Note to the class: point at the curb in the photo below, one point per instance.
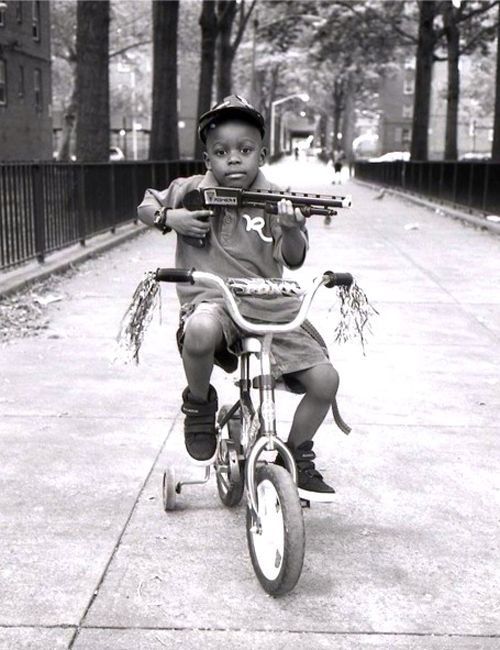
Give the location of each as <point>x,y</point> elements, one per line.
<point>447,211</point>
<point>12,281</point>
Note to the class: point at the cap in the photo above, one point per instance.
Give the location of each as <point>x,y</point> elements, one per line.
<point>232,106</point>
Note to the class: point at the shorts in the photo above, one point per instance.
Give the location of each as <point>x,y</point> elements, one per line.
<point>290,352</point>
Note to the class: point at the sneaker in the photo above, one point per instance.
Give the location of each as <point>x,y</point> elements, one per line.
<point>199,426</point>
<point>310,483</point>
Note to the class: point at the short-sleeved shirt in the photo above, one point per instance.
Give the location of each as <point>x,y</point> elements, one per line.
<point>242,243</point>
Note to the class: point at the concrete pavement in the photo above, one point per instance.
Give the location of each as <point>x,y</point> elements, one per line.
<point>407,556</point>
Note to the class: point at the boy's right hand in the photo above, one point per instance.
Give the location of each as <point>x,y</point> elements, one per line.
<point>189,223</point>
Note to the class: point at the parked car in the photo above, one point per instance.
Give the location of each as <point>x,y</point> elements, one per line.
<point>475,155</point>
<point>390,156</point>
<point>115,153</point>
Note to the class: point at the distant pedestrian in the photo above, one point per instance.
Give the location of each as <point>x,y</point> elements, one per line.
<point>296,153</point>
<point>338,160</point>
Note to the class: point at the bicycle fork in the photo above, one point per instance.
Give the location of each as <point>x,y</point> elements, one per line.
<point>268,439</point>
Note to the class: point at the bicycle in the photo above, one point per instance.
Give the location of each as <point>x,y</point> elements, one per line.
<point>274,520</point>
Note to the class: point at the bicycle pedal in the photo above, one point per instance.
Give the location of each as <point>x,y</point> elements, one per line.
<point>305,503</point>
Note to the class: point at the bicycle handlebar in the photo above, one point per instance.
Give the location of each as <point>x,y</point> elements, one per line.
<point>174,275</point>
<point>329,279</point>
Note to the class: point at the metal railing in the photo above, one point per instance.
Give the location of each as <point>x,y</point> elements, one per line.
<point>469,184</point>
<point>50,205</point>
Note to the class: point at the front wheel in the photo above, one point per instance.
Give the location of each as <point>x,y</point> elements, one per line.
<point>276,546</point>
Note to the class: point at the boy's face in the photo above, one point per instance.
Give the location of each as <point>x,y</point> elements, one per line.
<point>234,153</point>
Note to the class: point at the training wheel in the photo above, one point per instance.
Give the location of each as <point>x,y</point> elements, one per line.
<point>169,491</point>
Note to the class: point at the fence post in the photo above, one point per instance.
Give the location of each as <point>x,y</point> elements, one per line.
<point>471,179</point>
<point>82,230</point>
<point>135,184</point>
<point>486,179</point>
<point>113,196</point>
<point>39,212</point>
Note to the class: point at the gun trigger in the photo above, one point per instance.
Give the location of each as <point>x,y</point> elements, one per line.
<point>271,208</point>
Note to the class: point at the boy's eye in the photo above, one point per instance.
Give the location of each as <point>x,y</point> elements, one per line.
<point>219,152</point>
<point>246,149</point>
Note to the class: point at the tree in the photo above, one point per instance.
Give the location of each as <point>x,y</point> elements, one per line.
<point>423,80</point>
<point>495,151</point>
<point>208,26</point>
<point>226,49</point>
<point>452,34</point>
<point>465,30</point>
<point>164,142</point>
<point>129,35</point>
<point>92,80</point>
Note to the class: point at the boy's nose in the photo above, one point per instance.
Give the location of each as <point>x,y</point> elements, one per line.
<point>234,157</point>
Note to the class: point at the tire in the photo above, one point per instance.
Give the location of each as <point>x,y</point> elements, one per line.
<point>230,470</point>
<point>277,552</point>
<point>169,490</point>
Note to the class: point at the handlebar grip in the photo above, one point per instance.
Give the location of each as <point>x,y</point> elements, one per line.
<point>174,275</point>
<point>337,279</point>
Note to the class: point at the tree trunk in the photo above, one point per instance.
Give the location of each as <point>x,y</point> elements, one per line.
<point>423,81</point>
<point>164,142</point>
<point>338,108</point>
<point>225,52</point>
<point>453,91</point>
<point>208,24</point>
<point>348,120</point>
<point>322,131</point>
<point>495,151</point>
<point>92,80</point>
<point>69,121</point>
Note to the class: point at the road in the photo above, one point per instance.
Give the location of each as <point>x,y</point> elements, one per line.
<point>406,557</point>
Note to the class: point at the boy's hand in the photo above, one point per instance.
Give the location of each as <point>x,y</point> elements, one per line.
<point>289,218</point>
<point>189,223</point>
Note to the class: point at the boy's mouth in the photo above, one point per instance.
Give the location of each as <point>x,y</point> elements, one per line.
<point>235,175</point>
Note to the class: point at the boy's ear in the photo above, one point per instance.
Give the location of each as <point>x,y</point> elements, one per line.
<point>262,156</point>
<point>206,160</point>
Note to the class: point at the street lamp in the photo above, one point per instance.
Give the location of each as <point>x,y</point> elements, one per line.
<point>303,96</point>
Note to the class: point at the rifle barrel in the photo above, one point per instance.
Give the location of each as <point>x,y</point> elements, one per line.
<point>297,198</point>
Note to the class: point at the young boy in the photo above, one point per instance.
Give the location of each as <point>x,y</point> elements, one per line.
<point>241,243</point>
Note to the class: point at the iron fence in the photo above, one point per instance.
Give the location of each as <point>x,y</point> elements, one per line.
<point>470,184</point>
<point>50,205</point>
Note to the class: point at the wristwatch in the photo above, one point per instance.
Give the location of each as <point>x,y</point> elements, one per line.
<point>160,220</point>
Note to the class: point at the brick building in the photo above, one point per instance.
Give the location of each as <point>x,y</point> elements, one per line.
<point>25,82</point>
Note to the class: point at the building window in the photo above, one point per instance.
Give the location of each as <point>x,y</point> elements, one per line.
<point>20,88</point>
<point>409,85</point>
<point>3,83</point>
<point>407,111</point>
<point>19,12</point>
<point>36,20</point>
<point>406,137</point>
<point>38,90</point>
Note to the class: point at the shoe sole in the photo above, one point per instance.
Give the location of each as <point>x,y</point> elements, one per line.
<point>317,497</point>
<point>202,463</point>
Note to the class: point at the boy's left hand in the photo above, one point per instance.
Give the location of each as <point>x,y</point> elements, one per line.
<point>288,217</point>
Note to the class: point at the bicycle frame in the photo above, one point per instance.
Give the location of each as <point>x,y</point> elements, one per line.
<point>258,426</point>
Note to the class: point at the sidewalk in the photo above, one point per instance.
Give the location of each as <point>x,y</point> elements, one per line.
<point>407,557</point>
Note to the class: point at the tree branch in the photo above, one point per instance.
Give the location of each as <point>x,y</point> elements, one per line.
<point>122,50</point>
<point>243,23</point>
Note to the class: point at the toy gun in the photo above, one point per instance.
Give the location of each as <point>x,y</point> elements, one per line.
<point>234,197</point>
